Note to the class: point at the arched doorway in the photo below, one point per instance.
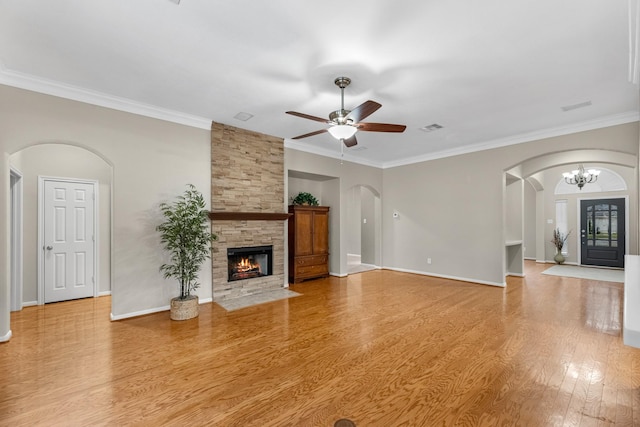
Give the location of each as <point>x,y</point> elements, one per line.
<point>544,174</point>
<point>66,160</point>
<point>364,229</point>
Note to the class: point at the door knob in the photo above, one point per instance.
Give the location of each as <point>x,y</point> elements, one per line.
<point>49,248</point>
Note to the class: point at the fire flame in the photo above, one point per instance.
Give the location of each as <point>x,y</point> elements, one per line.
<point>246,264</point>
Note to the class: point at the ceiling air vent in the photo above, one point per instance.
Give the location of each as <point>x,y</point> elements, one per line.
<point>431,128</point>
<point>243,116</point>
<point>576,106</point>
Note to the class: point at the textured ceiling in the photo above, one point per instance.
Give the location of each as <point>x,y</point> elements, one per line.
<point>491,73</point>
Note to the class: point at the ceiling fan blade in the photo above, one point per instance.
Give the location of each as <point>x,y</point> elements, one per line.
<point>363,111</point>
<point>318,132</point>
<point>350,142</point>
<point>380,127</point>
<point>307,116</point>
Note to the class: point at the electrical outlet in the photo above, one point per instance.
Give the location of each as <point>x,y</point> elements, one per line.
<point>428,260</point>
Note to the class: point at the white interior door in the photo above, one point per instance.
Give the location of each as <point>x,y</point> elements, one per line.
<point>68,240</point>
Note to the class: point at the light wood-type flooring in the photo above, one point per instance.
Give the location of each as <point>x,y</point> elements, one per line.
<point>381,348</point>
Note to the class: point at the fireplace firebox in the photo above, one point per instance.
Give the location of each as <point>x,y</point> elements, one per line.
<point>249,262</point>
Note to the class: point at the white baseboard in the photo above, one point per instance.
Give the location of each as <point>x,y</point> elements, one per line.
<point>515,274</point>
<point>29,304</point>
<point>104,293</point>
<point>153,310</point>
<point>337,275</point>
<point>139,313</point>
<point>445,276</point>
<point>6,337</point>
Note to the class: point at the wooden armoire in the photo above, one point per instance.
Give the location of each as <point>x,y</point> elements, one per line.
<point>308,242</point>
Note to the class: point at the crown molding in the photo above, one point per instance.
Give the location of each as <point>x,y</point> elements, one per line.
<point>613,120</point>
<point>308,148</point>
<point>49,87</point>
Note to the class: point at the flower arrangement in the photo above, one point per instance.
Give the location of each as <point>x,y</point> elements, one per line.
<point>559,238</point>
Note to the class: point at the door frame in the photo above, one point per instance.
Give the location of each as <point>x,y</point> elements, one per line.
<point>96,268</point>
<point>16,245</point>
<point>579,222</point>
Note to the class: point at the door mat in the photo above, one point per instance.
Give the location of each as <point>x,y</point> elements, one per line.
<point>255,299</point>
<point>590,273</point>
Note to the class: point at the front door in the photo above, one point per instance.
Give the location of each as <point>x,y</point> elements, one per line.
<point>602,232</point>
<point>68,240</point>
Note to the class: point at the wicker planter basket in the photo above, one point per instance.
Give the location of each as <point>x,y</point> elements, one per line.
<point>184,309</point>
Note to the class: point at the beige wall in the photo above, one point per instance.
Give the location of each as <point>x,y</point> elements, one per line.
<point>61,161</point>
<point>299,185</point>
<point>335,193</point>
<point>5,272</point>
<point>152,162</point>
<point>451,209</point>
<point>368,212</point>
<point>529,238</point>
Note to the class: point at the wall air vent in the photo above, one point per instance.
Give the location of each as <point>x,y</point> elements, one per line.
<point>431,128</point>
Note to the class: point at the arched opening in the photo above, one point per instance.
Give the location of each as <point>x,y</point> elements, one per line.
<point>68,161</point>
<point>546,187</point>
<point>364,229</point>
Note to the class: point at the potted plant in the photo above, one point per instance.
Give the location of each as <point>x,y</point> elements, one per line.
<point>185,234</point>
<point>558,240</point>
<point>304,198</point>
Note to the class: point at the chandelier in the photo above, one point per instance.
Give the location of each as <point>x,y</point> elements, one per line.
<point>580,177</point>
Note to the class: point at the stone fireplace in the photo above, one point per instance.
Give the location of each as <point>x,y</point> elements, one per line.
<point>247,206</point>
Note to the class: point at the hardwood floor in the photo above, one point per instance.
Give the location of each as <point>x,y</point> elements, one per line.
<point>380,348</point>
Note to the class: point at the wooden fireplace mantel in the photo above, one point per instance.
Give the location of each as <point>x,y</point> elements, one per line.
<point>248,216</point>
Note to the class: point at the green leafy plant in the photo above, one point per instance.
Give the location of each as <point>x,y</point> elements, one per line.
<point>305,199</point>
<point>185,234</point>
<point>559,238</point>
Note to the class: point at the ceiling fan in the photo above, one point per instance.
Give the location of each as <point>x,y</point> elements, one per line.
<point>345,123</point>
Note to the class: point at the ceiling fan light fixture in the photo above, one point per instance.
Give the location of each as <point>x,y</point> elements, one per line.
<point>342,131</point>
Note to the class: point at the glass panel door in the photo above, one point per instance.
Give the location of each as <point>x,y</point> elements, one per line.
<point>602,232</point>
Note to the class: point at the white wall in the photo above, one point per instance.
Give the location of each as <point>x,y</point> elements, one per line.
<point>152,162</point>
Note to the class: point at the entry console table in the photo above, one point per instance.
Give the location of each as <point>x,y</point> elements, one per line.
<point>308,242</point>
